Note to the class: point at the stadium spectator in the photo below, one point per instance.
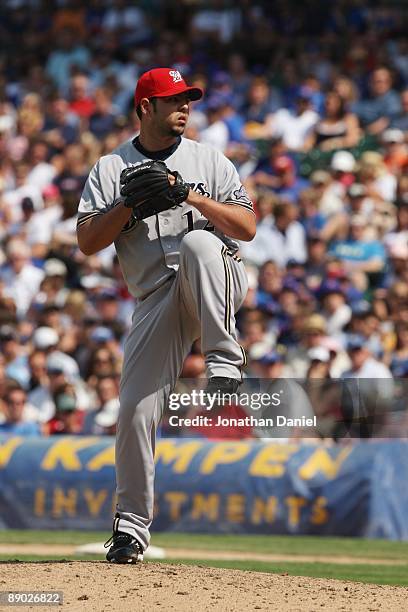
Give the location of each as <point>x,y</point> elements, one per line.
<point>384,104</point>
<point>395,150</point>
<point>82,103</point>
<point>14,355</point>
<point>103,119</point>
<point>293,401</point>
<point>42,395</point>
<point>337,128</point>
<point>69,54</point>
<point>342,166</point>
<point>102,362</point>
<point>358,254</point>
<point>15,423</point>
<point>216,133</point>
<point>12,198</point>
<point>103,417</point>
<point>22,280</point>
<point>37,363</point>
<point>400,122</point>
<point>287,236</point>
<point>294,127</point>
<point>67,418</point>
<point>42,171</point>
<point>319,363</point>
<point>128,21</point>
<point>61,125</point>
<point>279,175</point>
<point>261,101</point>
<point>373,173</point>
<point>363,364</point>
<point>334,308</point>
<point>329,202</point>
<point>312,333</point>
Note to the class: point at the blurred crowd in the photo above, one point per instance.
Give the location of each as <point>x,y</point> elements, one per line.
<point>310,103</point>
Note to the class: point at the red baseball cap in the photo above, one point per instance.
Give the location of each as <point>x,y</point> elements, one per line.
<point>162,82</point>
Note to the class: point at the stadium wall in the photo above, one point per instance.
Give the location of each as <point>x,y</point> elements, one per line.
<point>212,487</point>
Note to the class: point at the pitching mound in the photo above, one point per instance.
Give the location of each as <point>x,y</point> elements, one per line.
<point>99,586</point>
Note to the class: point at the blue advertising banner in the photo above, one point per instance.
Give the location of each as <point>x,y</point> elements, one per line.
<point>216,487</point>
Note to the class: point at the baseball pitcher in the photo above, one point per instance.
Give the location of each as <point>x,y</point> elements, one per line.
<point>173,208</point>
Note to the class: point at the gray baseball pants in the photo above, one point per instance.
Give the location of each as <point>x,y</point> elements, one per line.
<point>200,300</point>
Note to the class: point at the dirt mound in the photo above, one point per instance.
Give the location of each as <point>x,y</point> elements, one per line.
<point>99,586</point>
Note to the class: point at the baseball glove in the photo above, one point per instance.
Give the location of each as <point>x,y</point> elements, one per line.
<point>146,189</point>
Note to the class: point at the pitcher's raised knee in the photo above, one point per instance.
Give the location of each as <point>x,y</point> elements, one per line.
<point>200,243</point>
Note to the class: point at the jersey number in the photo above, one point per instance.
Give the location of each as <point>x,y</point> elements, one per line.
<point>190,223</point>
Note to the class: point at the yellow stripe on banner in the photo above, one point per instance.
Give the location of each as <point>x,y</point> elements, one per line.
<point>227,317</point>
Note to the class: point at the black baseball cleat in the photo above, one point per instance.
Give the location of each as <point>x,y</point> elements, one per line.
<point>124,548</point>
<point>220,386</point>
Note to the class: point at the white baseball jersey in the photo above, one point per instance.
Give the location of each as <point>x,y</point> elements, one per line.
<point>148,250</point>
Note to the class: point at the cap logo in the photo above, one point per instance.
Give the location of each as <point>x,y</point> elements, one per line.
<point>176,76</point>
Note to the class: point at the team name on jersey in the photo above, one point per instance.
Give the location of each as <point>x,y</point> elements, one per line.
<point>200,188</point>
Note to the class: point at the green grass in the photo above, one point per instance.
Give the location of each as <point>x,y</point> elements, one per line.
<point>282,545</point>
<point>287,545</point>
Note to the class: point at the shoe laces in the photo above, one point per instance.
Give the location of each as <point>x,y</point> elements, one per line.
<point>116,538</point>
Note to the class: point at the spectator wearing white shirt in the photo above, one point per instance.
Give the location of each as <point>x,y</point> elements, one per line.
<point>216,133</point>
<point>278,240</point>
<point>22,280</point>
<point>23,189</point>
<point>42,172</point>
<point>363,364</point>
<point>294,127</point>
<point>335,309</point>
<point>342,168</point>
<point>373,173</point>
<point>43,222</point>
<point>328,201</point>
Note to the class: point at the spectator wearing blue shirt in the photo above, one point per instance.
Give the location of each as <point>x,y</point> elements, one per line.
<point>261,101</point>
<point>102,120</point>
<point>359,254</point>
<point>61,127</point>
<point>401,120</point>
<point>16,362</point>
<point>278,173</point>
<point>377,112</point>
<point>68,54</point>
<point>289,186</point>
<point>15,404</point>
